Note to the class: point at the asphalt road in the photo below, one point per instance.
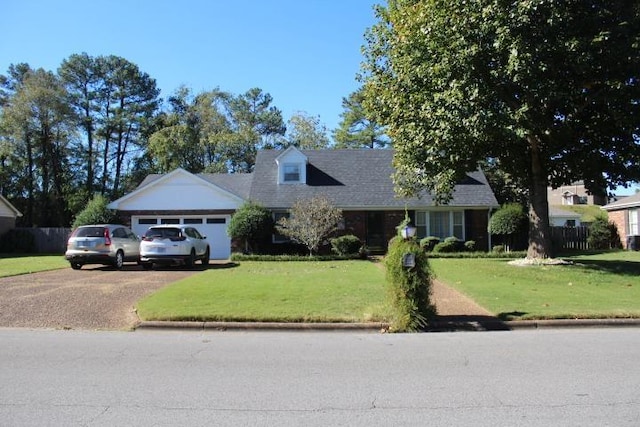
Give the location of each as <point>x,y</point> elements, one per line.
<point>582,377</point>
<point>95,297</point>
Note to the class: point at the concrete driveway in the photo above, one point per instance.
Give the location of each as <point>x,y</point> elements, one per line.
<point>92,298</point>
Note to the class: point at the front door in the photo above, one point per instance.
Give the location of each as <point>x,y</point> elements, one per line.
<point>375,231</point>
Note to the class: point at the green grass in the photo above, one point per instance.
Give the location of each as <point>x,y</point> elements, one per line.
<point>329,291</point>
<point>595,286</point>
<point>13,265</point>
<point>588,213</point>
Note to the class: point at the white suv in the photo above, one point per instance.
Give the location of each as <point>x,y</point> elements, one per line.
<point>173,244</point>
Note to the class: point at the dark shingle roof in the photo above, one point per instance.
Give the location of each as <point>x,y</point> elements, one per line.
<point>356,179</point>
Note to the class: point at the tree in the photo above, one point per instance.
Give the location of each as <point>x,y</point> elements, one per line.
<point>251,223</point>
<point>311,222</point>
<point>192,132</point>
<point>95,212</point>
<point>306,132</point>
<point>255,125</point>
<point>550,89</point>
<point>356,129</point>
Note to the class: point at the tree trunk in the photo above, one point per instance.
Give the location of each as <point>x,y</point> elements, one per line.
<point>539,233</point>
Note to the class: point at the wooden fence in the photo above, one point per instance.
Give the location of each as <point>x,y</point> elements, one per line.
<point>571,238</point>
<point>49,240</point>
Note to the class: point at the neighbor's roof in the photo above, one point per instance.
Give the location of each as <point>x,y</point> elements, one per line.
<point>9,206</point>
<point>624,203</point>
<point>354,179</point>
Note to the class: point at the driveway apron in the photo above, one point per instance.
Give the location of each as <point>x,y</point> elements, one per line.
<point>91,298</point>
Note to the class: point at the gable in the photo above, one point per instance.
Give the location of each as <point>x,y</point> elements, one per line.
<point>7,210</point>
<point>178,190</point>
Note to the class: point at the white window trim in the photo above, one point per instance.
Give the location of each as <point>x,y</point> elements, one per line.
<point>284,173</point>
<point>427,224</point>
<point>634,222</point>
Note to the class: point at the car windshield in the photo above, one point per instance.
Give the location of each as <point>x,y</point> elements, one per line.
<point>165,233</point>
<point>89,232</point>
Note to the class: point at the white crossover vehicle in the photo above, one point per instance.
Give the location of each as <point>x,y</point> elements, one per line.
<point>173,244</point>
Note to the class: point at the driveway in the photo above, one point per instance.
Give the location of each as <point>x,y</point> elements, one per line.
<point>92,298</point>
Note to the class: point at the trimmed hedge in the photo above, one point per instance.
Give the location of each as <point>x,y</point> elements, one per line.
<point>346,245</point>
<point>282,258</point>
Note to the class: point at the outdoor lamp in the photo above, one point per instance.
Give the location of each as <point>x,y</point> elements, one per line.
<point>408,232</point>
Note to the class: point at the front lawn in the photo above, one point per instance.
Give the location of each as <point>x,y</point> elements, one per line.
<point>13,265</point>
<point>595,286</point>
<point>329,291</point>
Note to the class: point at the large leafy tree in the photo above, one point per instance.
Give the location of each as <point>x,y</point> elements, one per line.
<point>305,131</point>
<point>191,132</point>
<point>357,129</point>
<point>551,89</point>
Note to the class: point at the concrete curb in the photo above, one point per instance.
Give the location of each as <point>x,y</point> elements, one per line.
<point>262,326</point>
<point>437,326</point>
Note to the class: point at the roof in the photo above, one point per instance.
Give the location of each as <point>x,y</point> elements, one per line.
<point>557,212</point>
<point>238,184</point>
<point>624,203</point>
<point>10,207</point>
<point>354,179</point>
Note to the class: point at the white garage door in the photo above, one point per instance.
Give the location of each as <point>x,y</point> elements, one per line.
<point>212,226</point>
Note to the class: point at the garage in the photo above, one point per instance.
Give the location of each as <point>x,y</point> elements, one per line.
<point>214,227</point>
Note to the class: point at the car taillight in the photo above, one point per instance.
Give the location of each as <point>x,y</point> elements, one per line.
<point>147,239</point>
<point>107,237</point>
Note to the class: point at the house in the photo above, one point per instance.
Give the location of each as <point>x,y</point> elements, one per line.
<point>8,215</point>
<point>625,214</point>
<point>574,194</point>
<point>356,181</point>
<point>563,218</point>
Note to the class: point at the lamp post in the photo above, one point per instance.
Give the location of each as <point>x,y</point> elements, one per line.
<point>408,232</point>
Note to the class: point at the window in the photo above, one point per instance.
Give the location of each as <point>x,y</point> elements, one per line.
<point>193,221</point>
<point>216,221</point>
<point>570,223</point>
<point>634,230</point>
<point>170,221</point>
<point>147,221</point>
<point>277,237</point>
<point>291,172</point>
<point>440,224</point>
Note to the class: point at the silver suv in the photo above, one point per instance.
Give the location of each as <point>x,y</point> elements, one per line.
<point>107,244</point>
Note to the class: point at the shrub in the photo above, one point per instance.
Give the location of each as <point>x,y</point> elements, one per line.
<point>507,221</point>
<point>250,223</point>
<point>429,242</point>
<point>17,241</point>
<point>498,249</point>
<point>346,245</point>
<point>96,212</point>
<point>470,245</point>
<point>409,288</point>
<point>603,234</point>
<point>450,244</point>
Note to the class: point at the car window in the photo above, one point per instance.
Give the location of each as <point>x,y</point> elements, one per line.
<point>119,233</point>
<point>196,233</point>
<point>166,233</point>
<point>130,235</point>
<point>89,232</point>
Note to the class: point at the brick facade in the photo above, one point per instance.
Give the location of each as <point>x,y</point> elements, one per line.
<point>620,218</point>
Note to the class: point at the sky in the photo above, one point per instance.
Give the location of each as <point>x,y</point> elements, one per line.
<point>304,53</point>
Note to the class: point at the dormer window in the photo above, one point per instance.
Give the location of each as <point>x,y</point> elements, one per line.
<point>292,166</point>
<point>291,172</point>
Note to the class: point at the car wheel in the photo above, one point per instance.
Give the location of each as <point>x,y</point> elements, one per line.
<point>76,265</point>
<point>119,262</point>
<point>205,259</point>
<point>192,258</point>
<point>147,265</point>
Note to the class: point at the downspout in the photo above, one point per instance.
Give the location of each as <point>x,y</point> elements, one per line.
<point>488,233</point>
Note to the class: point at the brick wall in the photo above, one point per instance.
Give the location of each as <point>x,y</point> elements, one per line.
<point>619,218</point>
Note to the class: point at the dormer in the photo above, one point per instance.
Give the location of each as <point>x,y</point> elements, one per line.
<point>292,166</point>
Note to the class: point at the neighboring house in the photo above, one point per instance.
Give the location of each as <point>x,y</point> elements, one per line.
<point>356,181</point>
<point>8,215</point>
<point>625,214</point>
<point>574,194</point>
<point>563,218</point>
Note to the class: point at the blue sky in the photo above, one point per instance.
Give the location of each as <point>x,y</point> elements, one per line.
<point>305,53</point>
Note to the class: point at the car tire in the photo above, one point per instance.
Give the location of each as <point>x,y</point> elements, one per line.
<point>191,259</point>
<point>119,261</point>
<point>205,259</point>
<point>76,265</point>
